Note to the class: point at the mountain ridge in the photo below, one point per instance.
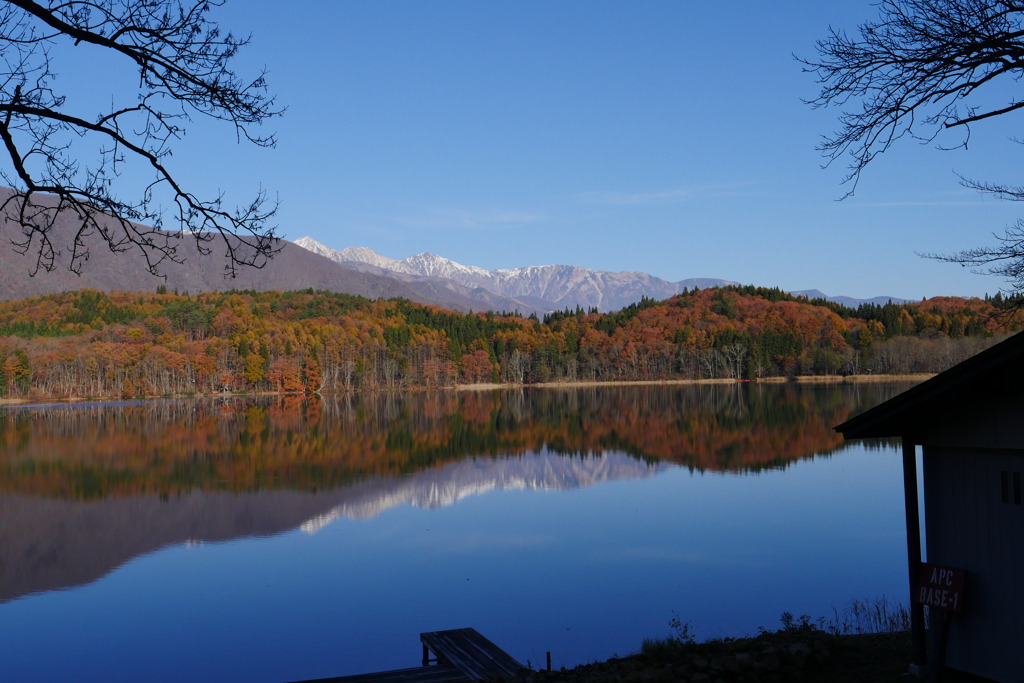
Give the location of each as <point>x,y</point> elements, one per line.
<point>291,269</point>
<point>553,286</point>
<point>550,287</point>
<point>424,278</point>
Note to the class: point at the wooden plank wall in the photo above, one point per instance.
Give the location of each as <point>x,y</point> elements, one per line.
<point>970,525</point>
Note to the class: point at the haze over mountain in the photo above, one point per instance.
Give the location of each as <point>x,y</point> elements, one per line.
<point>290,269</point>
<point>553,287</point>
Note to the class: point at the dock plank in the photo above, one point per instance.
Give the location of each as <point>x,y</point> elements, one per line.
<point>419,674</point>
<point>470,652</point>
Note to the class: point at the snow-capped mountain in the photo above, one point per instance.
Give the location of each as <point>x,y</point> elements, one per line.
<point>356,255</point>
<point>548,287</point>
<point>292,268</point>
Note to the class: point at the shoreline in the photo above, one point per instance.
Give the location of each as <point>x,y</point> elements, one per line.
<point>799,379</point>
<point>497,386</point>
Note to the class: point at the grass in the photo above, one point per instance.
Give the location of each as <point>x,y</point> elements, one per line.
<point>865,641</point>
<point>665,648</point>
<point>858,617</point>
<point>869,616</point>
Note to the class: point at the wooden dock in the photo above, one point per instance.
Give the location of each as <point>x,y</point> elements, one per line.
<point>469,652</point>
<point>459,655</point>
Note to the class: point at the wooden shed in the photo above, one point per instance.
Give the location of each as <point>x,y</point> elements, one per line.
<point>969,425</point>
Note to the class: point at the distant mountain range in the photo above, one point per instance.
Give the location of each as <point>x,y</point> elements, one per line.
<point>547,288</point>
<point>291,269</point>
<point>424,278</point>
<point>848,301</point>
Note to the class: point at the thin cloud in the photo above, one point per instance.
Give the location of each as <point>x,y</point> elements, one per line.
<point>472,219</point>
<point>886,205</point>
<point>959,197</point>
<point>678,194</point>
<point>398,226</point>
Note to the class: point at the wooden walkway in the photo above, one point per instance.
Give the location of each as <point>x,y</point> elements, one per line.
<point>460,655</point>
<point>469,652</point>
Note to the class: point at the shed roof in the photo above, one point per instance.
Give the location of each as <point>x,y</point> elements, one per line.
<point>995,373</point>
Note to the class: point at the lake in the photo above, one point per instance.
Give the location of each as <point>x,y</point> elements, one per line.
<point>270,539</point>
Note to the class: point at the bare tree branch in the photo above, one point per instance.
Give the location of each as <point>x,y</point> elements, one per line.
<point>184,70</point>
<point>915,72</point>
<point>922,68</point>
<point>1004,259</point>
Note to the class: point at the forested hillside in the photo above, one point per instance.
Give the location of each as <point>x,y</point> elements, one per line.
<point>93,344</point>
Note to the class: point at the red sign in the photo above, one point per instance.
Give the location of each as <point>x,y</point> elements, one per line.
<point>940,587</point>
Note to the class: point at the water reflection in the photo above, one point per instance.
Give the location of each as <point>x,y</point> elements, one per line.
<point>84,489</point>
<point>172,447</point>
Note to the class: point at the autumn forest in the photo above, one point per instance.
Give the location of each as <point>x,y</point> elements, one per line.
<point>89,343</point>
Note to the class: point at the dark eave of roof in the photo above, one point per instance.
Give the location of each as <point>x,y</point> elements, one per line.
<point>998,364</point>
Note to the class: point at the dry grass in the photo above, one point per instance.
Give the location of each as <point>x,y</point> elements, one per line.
<point>869,616</point>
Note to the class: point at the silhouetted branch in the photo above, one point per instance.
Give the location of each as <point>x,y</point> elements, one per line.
<point>1005,259</point>
<point>921,69</point>
<point>184,67</point>
<point>915,72</point>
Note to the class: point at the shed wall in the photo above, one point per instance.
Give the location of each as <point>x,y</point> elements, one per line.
<point>974,516</point>
<point>973,422</point>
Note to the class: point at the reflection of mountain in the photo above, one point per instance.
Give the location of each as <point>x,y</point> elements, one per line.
<point>451,483</point>
<point>50,544</point>
<point>175,447</point>
<point>84,489</point>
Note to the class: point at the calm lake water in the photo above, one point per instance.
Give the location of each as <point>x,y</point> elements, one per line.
<point>270,540</point>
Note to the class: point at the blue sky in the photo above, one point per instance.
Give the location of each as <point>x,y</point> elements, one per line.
<point>660,136</point>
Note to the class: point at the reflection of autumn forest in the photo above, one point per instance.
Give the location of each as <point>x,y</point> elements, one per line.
<point>89,343</point>
<point>170,447</point>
